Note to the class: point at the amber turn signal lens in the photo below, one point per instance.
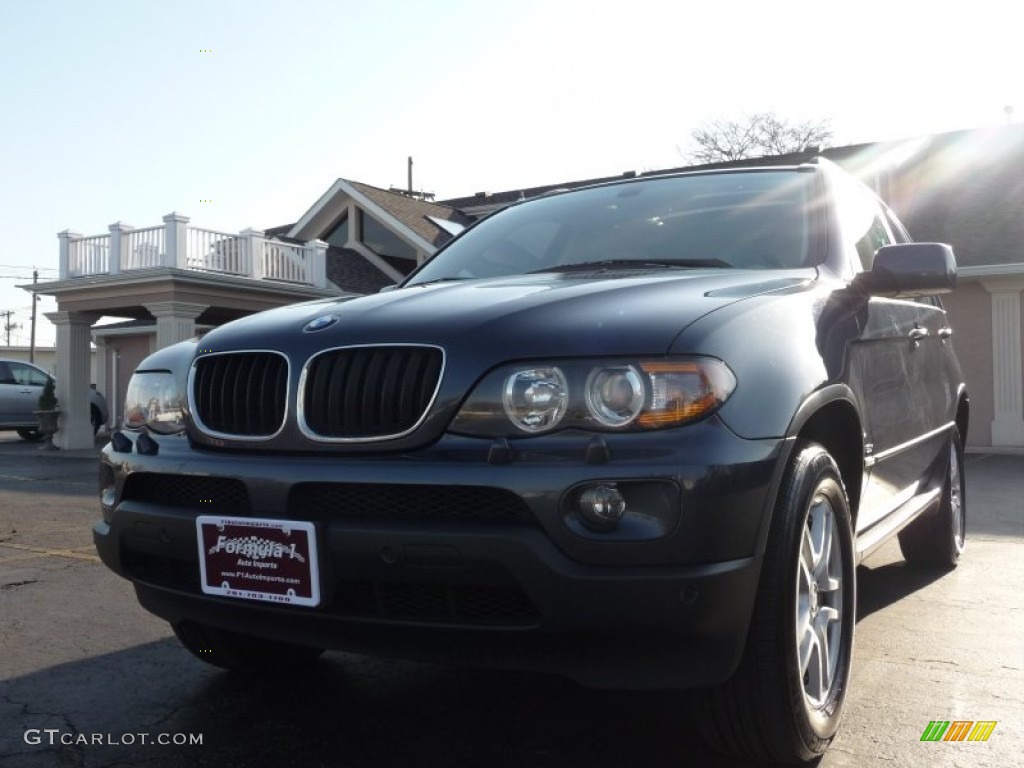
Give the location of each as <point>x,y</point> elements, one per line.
<point>684,390</point>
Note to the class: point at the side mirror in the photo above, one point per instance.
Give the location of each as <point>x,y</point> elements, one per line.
<point>911,269</point>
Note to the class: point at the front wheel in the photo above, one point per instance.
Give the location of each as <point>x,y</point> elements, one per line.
<point>241,653</point>
<point>32,434</point>
<point>785,700</point>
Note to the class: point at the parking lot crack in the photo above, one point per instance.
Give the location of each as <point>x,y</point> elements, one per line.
<point>63,718</point>
<point>14,584</point>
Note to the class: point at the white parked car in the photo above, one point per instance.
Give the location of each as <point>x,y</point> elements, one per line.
<point>20,386</point>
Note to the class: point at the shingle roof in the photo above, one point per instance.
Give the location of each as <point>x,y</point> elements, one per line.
<point>967,189</point>
<point>348,270</point>
<point>414,212</point>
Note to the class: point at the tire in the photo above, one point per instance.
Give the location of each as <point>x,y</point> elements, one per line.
<point>785,700</point>
<point>241,653</point>
<point>937,540</point>
<point>32,434</point>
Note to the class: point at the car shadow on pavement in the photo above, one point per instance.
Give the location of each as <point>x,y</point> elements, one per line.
<point>345,710</point>
<point>881,586</point>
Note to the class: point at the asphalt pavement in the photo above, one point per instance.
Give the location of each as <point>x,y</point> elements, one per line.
<point>87,678</point>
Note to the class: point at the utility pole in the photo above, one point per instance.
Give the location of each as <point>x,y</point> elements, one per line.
<point>8,325</point>
<point>32,334</point>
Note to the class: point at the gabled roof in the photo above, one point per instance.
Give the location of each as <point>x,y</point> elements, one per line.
<point>407,217</point>
<point>415,213</point>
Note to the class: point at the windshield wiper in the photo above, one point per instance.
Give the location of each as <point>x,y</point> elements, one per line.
<point>635,264</point>
<point>435,280</point>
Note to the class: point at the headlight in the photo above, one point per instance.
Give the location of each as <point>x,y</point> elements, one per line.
<point>615,396</point>
<point>154,401</point>
<point>606,395</point>
<point>535,399</point>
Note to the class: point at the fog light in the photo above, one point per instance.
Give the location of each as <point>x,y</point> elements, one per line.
<point>602,507</point>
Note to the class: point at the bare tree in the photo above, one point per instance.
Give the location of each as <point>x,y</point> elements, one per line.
<point>759,135</point>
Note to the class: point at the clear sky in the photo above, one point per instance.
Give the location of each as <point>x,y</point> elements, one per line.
<point>113,111</point>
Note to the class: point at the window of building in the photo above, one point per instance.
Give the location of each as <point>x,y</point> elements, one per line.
<point>338,234</point>
<point>382,240</point>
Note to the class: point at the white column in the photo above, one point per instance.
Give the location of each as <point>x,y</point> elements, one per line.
<point>1007,373</point>
<point>117,231</point>
<point>254,239</point>
<point>315,252</point>
<point>73,374</point>
<point>175,231</point>
<point>175,321</point>
<point>67,241</point>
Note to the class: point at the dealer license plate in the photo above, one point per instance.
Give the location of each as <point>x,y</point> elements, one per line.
<point>256,559</point>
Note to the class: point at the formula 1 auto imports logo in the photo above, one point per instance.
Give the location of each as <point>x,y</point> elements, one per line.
<point>958,730</point>
<point>256,548</point>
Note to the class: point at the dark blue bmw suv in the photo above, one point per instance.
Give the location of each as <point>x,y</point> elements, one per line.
<point>639,434</point>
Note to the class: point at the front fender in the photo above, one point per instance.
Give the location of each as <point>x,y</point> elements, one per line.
<point>771,345</point>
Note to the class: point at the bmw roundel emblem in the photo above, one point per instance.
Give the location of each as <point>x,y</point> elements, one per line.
<point>319,323</point>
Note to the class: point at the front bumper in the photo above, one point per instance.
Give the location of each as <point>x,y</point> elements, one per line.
<point>524,591</point>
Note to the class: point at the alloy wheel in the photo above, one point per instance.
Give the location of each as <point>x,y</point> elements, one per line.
<point>819,603</point>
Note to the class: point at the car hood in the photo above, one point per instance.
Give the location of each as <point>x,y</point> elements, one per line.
<point>522,316</point>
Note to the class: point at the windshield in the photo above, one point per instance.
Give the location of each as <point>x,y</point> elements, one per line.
<point>751,220</point>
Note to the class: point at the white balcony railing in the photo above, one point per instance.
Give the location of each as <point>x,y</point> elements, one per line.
<point>177,245</point>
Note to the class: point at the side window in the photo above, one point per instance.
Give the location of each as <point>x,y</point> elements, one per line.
<point>27,375</point>
<point>862,223</point>
<point>6,376</point>
<point>874,238</point>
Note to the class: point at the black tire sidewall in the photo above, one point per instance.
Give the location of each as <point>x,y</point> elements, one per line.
<point>814,472</point>
<point>957,455</point>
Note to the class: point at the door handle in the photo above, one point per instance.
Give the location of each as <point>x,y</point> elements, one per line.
<point>917,334</point>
